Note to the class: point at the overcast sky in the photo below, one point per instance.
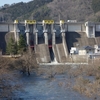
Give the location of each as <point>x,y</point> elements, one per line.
<point>2,2</point>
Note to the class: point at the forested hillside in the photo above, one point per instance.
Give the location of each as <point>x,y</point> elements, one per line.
<point>71,9</point>
<point>81,10</point>
<point>35,8</point>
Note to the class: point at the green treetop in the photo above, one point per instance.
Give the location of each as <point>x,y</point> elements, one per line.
<point>11,47</point>
<point>21,44</point>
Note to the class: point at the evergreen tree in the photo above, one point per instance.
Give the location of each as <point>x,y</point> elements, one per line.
<point>21,44</point>
<point>11,47</point>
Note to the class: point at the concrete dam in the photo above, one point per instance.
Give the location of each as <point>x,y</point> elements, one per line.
<point>52,40</point>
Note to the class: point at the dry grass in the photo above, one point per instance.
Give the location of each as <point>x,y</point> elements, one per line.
<point>8,67</point>
<point>82,82</point>
<point>86,87</point>
<point>6,80</point>
<point>51,71</point>
<point>80,74</point>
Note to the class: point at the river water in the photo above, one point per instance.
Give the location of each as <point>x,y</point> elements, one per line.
<point>39,88</point>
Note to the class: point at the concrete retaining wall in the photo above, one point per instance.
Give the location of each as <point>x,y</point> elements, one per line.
<point>98,28</point>
<point>40,30</point>
<point>74,27</point>
<point>3,28</point>
<point>43,55</point>
<point>55,53</point>
<point>79,59</point>
<point>6,27</point>
<point>11,27</point>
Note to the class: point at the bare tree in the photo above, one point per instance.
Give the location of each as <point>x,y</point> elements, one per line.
<point>28,61</point>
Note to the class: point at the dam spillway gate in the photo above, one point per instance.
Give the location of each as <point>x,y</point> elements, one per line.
<point>48,41</point>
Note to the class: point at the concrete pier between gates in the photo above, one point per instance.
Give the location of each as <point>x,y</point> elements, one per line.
<point>60,50</point>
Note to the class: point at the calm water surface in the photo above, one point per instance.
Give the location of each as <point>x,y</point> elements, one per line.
<point>39,88</point>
